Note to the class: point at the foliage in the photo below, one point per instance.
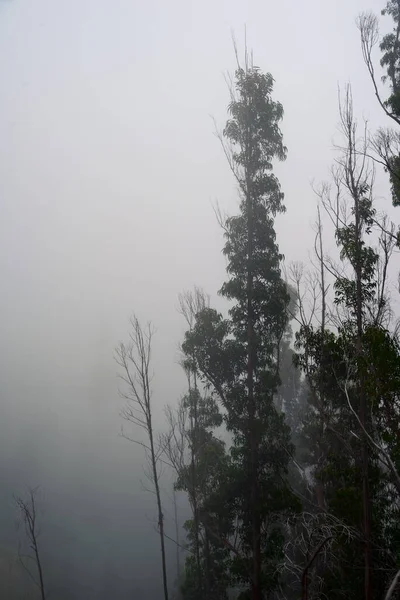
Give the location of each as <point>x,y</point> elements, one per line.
<point>202,475</point>
<point>346,368</point>
<point>237,357</point>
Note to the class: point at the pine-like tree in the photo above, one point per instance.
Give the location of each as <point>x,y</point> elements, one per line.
<point>238,356</point>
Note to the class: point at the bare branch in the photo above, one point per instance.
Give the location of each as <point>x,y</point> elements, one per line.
<point>134,360</point>
<point>27,509</point>
<point>393,586</point>
<point>304,579</point>
<point>383,455</point>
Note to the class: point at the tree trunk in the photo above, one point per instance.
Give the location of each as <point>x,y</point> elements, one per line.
<point>40,571</point>
<point>208,565</point>
<point>320,488</point>
<point>363,405</point>
<point>178,562</point>
<point>254,491</point>
<point>160,515</point>
<point>195,506</point>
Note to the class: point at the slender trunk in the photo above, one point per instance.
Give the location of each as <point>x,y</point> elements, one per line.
<point>160,513</point>
<point>178,562</point>
<point>365,479</point>
<point>363,408</point>
<point>353,185</point>
<point>194,428</point>
<point>279,396</point>
<point>254,491</point>
<point>208,565</point>
<point>196,538</point>
<point>135,361</point>
<point>39,568</point>
<point>28,510</point>
<point>320,491</point>
<point>366,516</point>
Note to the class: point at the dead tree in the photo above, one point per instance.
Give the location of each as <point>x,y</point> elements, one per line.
<point>134,360</point>
<point>27,510</point>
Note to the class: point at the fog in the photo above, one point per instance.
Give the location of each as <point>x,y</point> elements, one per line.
<point>109,171</point>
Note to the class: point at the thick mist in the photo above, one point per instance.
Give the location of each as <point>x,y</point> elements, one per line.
<point>109,171</point>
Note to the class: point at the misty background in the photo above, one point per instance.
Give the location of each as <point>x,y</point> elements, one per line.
<point>109,171</point>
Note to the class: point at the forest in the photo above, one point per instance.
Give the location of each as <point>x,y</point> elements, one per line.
<point>282,455</point>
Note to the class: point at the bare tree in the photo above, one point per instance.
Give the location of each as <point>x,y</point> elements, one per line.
<point>191,303</point>
<point>134,360</point>
<point>175,442</point>
<point>27,509</point>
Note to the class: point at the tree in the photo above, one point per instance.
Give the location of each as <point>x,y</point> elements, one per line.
<point>28,513</point>
<point>134,360</point>
<point>346,379</point>
<point>209,529</point>
<point>238,356</point>
<point>190,304</point>
<point>177,537</point>
<point>200,462</point>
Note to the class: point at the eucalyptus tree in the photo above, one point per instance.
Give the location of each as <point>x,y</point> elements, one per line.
<point>238,356</point>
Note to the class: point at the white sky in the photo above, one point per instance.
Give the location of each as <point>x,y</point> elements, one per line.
<point>109,167</point>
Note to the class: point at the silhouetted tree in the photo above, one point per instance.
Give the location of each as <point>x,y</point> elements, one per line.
<point>134,359</point>
<point>238,357</point>
<point>28,513</point>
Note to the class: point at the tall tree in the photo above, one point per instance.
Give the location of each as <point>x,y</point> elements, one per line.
<point>239,356</point>
<point>345,378</point>
<point>190,304</point>
<point>134,360</point>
